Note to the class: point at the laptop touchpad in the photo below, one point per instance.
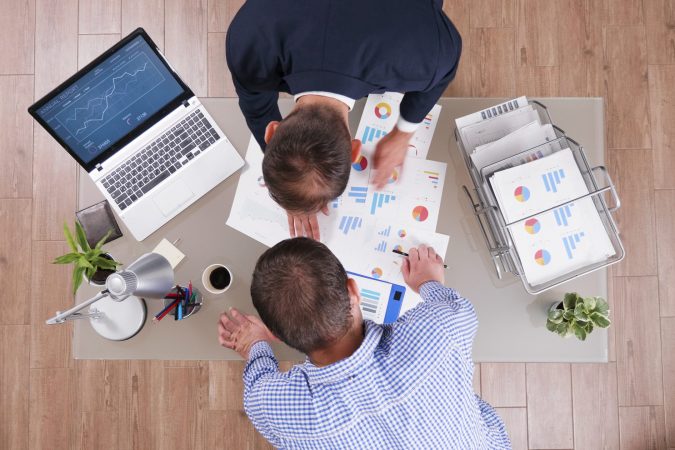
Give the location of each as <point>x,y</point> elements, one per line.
<point>173,197</point>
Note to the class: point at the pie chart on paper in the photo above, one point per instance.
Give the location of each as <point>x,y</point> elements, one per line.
<point>522,194</point>
<point>532,226</point>
<point>360,164</point>
<point>420,213</point>
<point>542,257</point>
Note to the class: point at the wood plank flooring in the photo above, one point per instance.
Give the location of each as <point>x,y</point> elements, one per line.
<point>621,50</point>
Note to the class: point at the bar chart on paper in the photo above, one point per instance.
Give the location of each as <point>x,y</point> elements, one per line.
<point>358,193</point>
<point>370,301</point>
<point>349,224</point>
<point>570,242</point>
<point>380,200</point>
<point>372,134</point>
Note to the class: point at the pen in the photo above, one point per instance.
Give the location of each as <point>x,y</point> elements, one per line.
<point>165,311</point>
<point>398,252</point>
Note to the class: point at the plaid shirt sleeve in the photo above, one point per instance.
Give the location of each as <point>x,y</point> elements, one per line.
<point>262,366</point>
<point>455,314</point>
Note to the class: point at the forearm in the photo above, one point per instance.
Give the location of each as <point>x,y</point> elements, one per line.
<point>261,362</point>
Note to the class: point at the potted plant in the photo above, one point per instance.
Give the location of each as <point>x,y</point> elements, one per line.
<point>93,263</point>
<point>577,315</point>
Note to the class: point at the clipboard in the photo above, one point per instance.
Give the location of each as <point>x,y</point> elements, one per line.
<point>380,300</point>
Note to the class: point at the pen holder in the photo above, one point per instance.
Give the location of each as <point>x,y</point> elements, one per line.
<point>191,308</point>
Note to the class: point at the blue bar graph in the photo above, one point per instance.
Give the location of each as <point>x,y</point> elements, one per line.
<point>358,193</point>
<point>381,247</point>
<point>350,223</point>
<point>385,232</point>
<point>553,179</point>
<point>380,199</point>
<point>370,134</point>
<point>562,214</point>
<point>336,202</point>
<point>570,242</point>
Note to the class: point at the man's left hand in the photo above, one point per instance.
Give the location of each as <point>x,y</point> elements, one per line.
<point>239,332</point>
<point>390,154</point>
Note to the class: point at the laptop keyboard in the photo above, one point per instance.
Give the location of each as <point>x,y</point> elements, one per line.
<point>156,162</point>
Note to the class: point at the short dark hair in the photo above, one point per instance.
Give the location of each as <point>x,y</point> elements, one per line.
<point>299,289</point>
<point>307,161</point>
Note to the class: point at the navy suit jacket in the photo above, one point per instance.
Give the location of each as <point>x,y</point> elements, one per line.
<point>348,47</point>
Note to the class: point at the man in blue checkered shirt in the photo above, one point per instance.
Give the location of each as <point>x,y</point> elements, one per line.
<point>407,385</point>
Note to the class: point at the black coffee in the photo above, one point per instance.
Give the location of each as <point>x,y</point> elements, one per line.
<point>220,278</point>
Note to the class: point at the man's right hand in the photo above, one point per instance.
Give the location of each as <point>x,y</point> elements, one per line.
<point>306,225</point>
<point>422,265</point>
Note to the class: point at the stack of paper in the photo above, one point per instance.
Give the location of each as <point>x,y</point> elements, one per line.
<point>364,225</point>
<point>560,241</point>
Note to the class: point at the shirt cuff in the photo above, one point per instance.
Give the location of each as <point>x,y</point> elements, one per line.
<point>260,349</point>
<point>405,126</point>
<point>428,289</point>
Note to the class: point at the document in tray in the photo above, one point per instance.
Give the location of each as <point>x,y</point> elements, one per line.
<point>524,138</point>
<point>529,188</point>
<point>561,241</point>
<point>380,116</point>
<point>491,112</point>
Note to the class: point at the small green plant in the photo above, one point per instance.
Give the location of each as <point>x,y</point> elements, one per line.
<point>86,260</point>
<point>578,316</point>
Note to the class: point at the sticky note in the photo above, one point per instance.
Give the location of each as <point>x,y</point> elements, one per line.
<point>170,252</point>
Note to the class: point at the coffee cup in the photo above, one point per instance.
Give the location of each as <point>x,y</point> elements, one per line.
<point>217,278</point>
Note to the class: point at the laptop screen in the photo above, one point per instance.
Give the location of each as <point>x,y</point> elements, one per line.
<point>108,101</point>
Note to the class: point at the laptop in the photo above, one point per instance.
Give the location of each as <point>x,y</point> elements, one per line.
<point>140,132</point>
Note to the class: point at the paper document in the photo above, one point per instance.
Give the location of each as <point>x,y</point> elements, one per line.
<point>560,241</point>
<point>531,135</point>
<point>491,112</point>
<point>489,131</point>
<point>380,116</point>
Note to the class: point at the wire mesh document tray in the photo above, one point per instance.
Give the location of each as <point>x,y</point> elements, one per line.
<point>497,231</point>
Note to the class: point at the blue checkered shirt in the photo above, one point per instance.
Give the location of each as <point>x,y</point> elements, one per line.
<point>408,386</point>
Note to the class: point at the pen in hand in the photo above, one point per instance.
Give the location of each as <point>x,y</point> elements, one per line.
<point>398,252</point>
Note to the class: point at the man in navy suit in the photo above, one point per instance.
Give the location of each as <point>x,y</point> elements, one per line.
<point>328,53</point>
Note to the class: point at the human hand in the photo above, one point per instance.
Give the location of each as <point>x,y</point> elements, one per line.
<point>305,224</point>
<point>239,332</point>
<point>389,154</point>
<point>422,265</point>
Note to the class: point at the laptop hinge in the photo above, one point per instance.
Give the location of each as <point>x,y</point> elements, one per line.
<point>99,167</point>
<point>186,103</point>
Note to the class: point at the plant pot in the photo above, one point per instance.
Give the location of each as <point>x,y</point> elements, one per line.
<point>559,305</point>
<point>101,275</point>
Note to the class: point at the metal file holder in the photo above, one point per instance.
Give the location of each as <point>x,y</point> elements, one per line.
<point>496,231</point>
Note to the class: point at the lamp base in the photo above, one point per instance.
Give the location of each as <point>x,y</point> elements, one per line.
<point>119,320</point>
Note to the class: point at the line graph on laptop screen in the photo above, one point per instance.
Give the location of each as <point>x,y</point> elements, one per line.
<point>99,104</point>
<point>110,100</point>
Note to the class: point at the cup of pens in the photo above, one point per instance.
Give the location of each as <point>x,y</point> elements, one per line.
<point>181,303</point>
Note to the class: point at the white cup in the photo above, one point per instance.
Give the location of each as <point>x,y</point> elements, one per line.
<point>206,279</point>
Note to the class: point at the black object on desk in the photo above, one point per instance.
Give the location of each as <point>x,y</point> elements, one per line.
<point>97,220</point>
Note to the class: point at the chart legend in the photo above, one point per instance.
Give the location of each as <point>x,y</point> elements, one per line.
<point>553,179</point>
<point>433,177</point>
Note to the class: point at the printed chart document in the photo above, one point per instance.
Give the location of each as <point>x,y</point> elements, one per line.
<point>380,116</point>
<point>560,241</point>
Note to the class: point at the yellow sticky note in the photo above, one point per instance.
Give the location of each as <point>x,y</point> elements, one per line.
<point>170,252</point>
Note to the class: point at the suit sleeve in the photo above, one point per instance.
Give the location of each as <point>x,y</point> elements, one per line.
<point>259,107</point>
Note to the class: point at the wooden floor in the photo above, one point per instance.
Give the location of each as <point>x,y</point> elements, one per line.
<point>622,50</point>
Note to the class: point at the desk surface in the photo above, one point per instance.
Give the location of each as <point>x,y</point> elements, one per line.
<point>512,322</point>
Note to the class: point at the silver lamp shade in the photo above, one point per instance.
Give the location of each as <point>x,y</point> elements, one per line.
<point>151,275</point>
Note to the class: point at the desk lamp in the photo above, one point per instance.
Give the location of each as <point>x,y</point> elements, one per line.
<point>117,313</point>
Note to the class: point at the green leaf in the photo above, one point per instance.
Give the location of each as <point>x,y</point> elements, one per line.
<point>568,315</point>
<point>580,333</point>
<point>589,304</point>
<point>555,316</point>
<point>570,300</point>
<point>81,237</point>
<point>103,240</point>
<point>600,320</point>
<point>82,262</point>
<point>69,238</point>
<point>580,312</point>
<point>90,271</point>
<point>589,326</point>
<point>105,264</point>
<point>77,278</point>
<point>562,328</point>
<point>67,258</point>
<point>601,306</point>
<point>551,326</point>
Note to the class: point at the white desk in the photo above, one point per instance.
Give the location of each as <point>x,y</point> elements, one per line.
<point>512,323</point>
